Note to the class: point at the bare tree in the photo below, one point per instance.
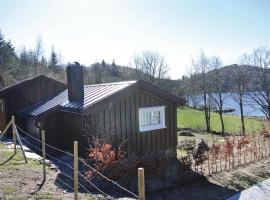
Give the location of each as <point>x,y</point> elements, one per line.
<point>191,88</point>
<point>240,84</point>
<point>217,88</point>
<point>38,53</point>
<point>201,66</point>
<point>261,58</point>
<point>152,64</point>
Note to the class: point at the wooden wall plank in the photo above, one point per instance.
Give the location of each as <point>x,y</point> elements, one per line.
<point>118,122</point>
<point>154,134</point>
<point>107,123</point>
<point>175,125</point>
<point>148,133</point>
<point>138,133</point>
<point>168,130</point>
<point>123,121</point>
<point>133,123</point>
<point>128,124</point>
<point>113,125</point>
<point>143,134</point>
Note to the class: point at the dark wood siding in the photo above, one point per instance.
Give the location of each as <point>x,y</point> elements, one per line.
<point>117,122</point>
<point>2,115</point>
<point>29,94</point>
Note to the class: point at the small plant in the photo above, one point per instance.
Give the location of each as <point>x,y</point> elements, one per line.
<point>103,156</point>
<point>199,154</point>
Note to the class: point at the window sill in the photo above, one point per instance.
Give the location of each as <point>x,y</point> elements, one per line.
<point>147,129</point>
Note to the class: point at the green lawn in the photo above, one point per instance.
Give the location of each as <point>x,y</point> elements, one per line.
<point>192,118</point>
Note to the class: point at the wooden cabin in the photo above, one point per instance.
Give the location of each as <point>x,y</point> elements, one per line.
<point>24,94</point>
<point>137,112</point>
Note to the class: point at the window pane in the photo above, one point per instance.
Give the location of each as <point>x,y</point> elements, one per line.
<point>155,117</point>
<point>146,118</point>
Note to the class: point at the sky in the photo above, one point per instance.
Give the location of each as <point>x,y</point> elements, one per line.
<point>89,31</point>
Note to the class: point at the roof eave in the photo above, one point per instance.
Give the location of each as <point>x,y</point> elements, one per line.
<point>160,92</point>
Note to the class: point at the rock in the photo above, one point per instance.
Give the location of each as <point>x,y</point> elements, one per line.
<point>185,133</point>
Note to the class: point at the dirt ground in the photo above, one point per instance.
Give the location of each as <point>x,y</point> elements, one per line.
<point>24,181</point>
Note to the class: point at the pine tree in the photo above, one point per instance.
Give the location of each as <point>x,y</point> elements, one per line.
<point>103,63</point>
<point>7,61</point>
<point>113,63</point>
<point>53,60</point>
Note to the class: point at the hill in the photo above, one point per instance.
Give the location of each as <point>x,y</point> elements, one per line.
<point>105,72</point>
<point>228,76</point>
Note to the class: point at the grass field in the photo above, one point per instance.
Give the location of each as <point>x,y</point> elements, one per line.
<point>192,118</point>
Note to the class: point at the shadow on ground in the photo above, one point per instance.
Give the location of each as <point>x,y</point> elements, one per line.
<point>200,189</point>
<point>194,186</point>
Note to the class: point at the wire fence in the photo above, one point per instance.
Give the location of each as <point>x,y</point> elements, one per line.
<point>66,168</point>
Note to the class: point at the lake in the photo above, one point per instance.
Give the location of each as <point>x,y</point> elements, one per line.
<point>250,107</point>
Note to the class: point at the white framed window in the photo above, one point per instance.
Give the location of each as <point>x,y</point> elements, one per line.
<point>151,118</point>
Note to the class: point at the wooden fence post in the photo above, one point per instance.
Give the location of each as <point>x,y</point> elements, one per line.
<point>141,187</point>
<point>21,145</point>
<point>14,134</point>
<point>43,154</point>
<point>75,170</point>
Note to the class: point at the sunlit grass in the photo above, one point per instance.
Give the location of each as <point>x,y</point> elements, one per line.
<point>192,118</point>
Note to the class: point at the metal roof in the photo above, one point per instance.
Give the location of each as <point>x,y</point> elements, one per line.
<point>41,107</point>
<point>92,95</point>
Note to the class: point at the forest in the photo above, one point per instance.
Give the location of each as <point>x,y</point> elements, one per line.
<point>20,64</point>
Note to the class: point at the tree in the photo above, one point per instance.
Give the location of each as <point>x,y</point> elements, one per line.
<point>217,88</point>
<point>260,57</point>
<point>8,61</point>
<point>153,65</point>
<point>103,63</point>
<point>240,82</point>
<point>201,66</point>
<point>96,73</point>
<point>191,89</point>
<point>113,63</point>
<point>38,54</point>
<point>53,60</point>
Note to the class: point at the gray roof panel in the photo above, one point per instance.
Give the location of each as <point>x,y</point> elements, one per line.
<point>92,95</point>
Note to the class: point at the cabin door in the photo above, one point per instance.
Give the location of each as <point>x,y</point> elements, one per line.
<point>2,115</point>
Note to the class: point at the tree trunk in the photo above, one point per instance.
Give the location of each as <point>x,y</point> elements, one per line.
<point>242,115</point>
<point>206,115</point>
<point>222,122</point>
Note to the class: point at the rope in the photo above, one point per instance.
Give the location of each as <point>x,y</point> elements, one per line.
<point>28,134</point>
<point>68,175</point>
<point>106,178</point>
<point>62,173</point>
<point>25,141</point>
<point>59,161</point>
<point>93,185</point>
<point>45,143</point>
<point>64,183</point>
<point>128,191</point>
<point>60,150</point>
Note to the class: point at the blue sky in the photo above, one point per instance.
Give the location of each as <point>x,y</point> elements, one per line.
<point>89,31</point>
